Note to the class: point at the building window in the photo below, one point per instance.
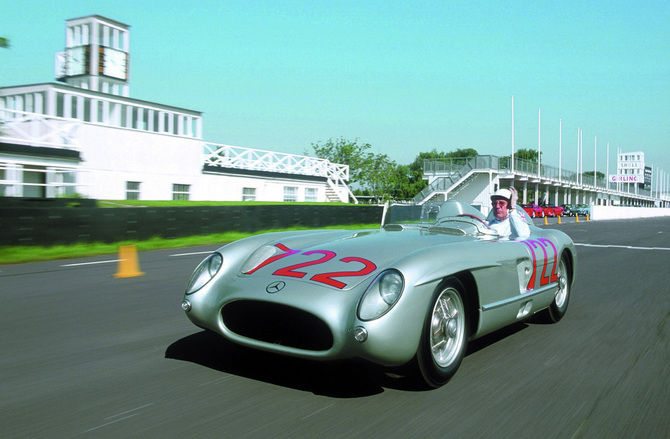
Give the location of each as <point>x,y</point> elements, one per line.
<point>249,194</point>
<point>34,181</point>
<point>132,190</point>
<point>290,193</point>
<point>311,194</point>
<point>180,192</point>
<point>2,180</point>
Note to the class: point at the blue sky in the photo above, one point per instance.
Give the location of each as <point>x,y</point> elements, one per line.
<point>405,77</point>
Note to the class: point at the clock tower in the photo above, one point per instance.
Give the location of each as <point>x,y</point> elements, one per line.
<point>96,55</point>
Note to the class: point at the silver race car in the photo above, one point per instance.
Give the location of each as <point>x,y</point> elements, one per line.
<point>411,293</point>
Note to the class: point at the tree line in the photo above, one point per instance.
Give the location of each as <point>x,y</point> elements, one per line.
<point>379,177</point>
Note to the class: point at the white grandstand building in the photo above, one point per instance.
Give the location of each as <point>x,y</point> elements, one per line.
<point>86,136</point>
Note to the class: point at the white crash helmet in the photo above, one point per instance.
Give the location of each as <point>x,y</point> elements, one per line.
<point>502,193</point>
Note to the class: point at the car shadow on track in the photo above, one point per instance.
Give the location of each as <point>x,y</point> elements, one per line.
<point>489,339</point>
<point>336,379</point>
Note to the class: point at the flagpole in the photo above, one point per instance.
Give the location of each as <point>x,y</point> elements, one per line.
<point>578,156</point>
<point>595,161</point>
<point>607,172</point>
<point>539,135</point>
<point>512,134</point>
<point>560,147</point>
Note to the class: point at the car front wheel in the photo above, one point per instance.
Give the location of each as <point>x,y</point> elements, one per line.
<point>445,335</point>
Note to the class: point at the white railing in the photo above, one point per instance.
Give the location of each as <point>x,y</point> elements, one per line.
<point>55,101</point>
<point>237,157</point>
<point>449,172</point>
<point>34,129</point>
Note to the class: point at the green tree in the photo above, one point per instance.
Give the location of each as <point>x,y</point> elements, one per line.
<point>346,152</point>
<point>589,176</point>
<point>462,153</point>
<point>370,174</point>
<point>590,173</point>
<point>403,187</point>
<point>527,154</point>
<point>416,181</point>
<point>380,177</point>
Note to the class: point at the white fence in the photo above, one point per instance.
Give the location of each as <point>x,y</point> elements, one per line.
<point>237,157</point>
<point>34,129</point>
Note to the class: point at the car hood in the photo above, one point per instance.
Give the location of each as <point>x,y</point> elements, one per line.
<point>343,260</point>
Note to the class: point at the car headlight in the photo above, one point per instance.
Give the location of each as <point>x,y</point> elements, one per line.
<point>205,272</point>
<point>381,295</point>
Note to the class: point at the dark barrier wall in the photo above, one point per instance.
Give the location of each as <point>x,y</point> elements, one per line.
<point>62,225</point>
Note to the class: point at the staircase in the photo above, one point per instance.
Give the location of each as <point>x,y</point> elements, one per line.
<point>331,195</point>
<point>444,185</point>
<point>334,196</point>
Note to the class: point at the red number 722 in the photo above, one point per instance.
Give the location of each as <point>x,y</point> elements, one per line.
<point>545,278</point>
<point>325,278</point>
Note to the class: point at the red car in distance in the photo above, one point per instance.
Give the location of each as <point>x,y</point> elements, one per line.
<point>533,210</point>
<point>551,210</point>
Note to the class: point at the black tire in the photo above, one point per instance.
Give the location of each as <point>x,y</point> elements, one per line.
<point>559,306</point>
<point>445,334</point>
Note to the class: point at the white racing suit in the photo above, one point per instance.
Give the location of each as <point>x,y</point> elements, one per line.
<point>512,227</point>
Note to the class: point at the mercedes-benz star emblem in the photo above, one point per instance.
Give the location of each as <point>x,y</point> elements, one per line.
<point>275,287</point>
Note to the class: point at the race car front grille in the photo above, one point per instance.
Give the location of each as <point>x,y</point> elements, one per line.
<point>277,324</point>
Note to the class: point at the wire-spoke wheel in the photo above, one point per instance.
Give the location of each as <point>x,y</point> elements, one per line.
<point>444,335</point>
<point>559,306</point>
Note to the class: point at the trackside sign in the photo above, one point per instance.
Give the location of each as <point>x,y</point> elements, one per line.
<point>626,179</point>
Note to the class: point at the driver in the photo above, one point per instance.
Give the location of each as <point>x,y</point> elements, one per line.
<point>506,221</point>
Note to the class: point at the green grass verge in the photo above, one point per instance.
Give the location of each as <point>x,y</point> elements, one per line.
<point>22,254</point>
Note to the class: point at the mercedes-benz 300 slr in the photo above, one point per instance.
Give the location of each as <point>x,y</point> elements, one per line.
<point>411,293</point>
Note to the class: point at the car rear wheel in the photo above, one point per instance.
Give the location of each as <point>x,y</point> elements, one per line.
<point>559,306</point>
<point>445,335</point>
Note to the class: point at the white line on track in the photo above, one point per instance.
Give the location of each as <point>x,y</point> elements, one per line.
<point>120,417</point>
<point>119,260</point>
<point>318,411</point>
<point>191,254</point>
<point>628,247</point>
<point>92,263</point>
<point>110,422</point>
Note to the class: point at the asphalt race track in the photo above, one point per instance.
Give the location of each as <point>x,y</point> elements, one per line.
<point>85,354</point>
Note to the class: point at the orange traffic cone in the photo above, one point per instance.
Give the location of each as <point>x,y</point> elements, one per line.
<point>577,218</point>
<point>128,264</point>
<point>559,220</point>
<point>587,217</point>
<point>546,223</point>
